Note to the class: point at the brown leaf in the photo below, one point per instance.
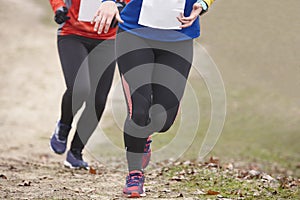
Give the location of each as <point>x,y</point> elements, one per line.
<point>211,192</point>
<point>92,171</point>
<point>214,160</point>
<point>3,176</point>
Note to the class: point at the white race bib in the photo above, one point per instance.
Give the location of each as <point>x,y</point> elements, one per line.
<point>161,14</point>
<point>88,9</point>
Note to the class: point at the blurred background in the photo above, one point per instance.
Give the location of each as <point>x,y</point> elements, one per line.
<point>255,45</point>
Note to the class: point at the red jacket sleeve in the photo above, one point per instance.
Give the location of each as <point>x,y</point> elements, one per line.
<point>55,4</point>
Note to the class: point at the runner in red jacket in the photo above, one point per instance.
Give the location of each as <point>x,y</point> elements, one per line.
<point>88,64</point>
<point>75,27</point>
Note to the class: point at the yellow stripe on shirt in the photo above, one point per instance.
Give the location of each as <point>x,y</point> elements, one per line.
<point>209,2</point>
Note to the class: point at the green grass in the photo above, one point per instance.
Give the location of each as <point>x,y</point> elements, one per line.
<point>261,81</point>
<point>256,128</point>
<point>226,185</point>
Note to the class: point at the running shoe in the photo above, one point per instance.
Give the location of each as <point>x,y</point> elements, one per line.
<point>134,187</point>
<point>58,141</point>
<point>147,153</point>
<point>74,160</point>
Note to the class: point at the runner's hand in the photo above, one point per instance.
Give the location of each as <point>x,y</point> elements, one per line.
<point>188,21</point>
<point>120,5</point>
<point>61,15</point>
<point>104,16</point>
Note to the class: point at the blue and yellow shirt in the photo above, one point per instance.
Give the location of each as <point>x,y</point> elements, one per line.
<point>130,15</point>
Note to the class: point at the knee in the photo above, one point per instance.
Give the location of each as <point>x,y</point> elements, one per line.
<point>163,121</point>
<point>140,117</point>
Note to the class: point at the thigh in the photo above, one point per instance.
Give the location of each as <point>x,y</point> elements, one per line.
<point>102,62</point>
<point>135,62</point>
<point>171,72</point>
<point>101,67</point>
<point>72,55</point>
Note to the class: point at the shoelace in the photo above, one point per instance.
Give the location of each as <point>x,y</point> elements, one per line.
<point>134,179</point>
<point>147,146</point>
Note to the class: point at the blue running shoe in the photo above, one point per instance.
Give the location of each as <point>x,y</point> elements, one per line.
<point>74,160</point>
<point>58,141</point>
<point>134,187</point>
<point>147,153</point>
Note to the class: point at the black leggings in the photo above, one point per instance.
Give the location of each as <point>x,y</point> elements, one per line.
<point>88,66</point>
<point>154,76</point>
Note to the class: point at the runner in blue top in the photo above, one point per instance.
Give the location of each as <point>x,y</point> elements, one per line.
<point>155,52</point>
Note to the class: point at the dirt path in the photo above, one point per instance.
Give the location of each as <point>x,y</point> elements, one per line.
<point>31,85</point>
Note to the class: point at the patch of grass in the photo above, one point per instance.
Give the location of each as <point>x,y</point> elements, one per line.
<point>226,184</point>
<point>256,128</point>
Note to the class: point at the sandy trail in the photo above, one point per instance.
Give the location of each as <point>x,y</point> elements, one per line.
<point>31,87</point>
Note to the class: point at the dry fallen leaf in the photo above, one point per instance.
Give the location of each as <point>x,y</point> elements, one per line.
<point>92,171</point>
<point>211,192</point>
<point>3,176</point>
<point>214,160</point>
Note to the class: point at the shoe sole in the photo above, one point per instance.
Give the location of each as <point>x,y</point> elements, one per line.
<point>70,166</point>
<point>135,195</point>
